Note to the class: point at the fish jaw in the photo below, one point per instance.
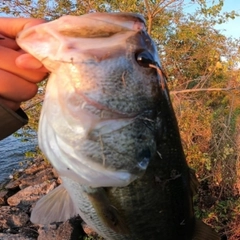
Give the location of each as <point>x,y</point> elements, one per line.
<point>71,34</point>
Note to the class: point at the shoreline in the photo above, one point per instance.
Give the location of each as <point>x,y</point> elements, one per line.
<point>19,195</point>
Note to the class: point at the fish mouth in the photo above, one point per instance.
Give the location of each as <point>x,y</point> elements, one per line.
<point>88,26</point>
<point>95,25</point>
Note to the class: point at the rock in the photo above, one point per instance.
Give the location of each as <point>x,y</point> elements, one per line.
<point>12,217</point>
<point>69,230</point>
<point>14,184</point>
<point>59,181</point>
<point>18,197</point>
<point>89,230</point>
<point>31,194</point>
<point>55,173</point>
<point>8,236</point>
<point>37,166</point>
<point>38,178</point>
<point>3,196</point>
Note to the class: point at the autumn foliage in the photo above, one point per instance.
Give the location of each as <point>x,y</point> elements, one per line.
<point>202,66</point>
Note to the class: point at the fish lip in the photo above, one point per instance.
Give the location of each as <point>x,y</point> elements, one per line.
<point>99,106</point>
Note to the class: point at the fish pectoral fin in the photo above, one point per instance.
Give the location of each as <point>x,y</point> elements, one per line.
<point>107,213</point>
<point>56,206</point>
<point>204,232</point>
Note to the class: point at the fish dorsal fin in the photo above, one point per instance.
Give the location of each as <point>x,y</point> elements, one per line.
<point>56,206</point>
<point>194,184</point>
<point>204,232</point>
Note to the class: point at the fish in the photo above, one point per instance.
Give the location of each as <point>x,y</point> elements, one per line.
<point>108,127</point>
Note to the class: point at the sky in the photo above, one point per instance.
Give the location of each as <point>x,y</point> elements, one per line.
<point>229,29</point>
<point>232,27</point>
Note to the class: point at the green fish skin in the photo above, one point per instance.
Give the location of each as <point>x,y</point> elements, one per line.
<point>108,127</point>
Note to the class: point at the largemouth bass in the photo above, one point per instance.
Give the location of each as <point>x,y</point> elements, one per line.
<point>108,127</point>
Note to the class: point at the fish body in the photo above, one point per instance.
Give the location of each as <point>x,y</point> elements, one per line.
<point>108,127</point>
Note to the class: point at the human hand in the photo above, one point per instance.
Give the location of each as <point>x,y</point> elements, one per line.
<point>19,71</point>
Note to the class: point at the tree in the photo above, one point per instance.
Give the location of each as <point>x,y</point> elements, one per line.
<point>203,75</point>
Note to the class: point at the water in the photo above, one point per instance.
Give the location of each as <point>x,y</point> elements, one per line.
<point>12,152</point>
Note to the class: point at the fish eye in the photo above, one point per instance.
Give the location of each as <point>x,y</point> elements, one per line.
<point>144,59</point>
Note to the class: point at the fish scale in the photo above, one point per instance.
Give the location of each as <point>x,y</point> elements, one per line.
<point>88,212</point>
<point>108,127</point>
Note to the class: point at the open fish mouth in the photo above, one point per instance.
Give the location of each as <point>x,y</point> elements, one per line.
<point>81,29</point>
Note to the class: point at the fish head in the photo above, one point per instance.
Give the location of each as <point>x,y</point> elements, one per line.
<point>102,100</point>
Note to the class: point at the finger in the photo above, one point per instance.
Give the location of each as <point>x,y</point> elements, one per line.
<point>10,27</point>
<point>10,104</point>
<point>8,42</point>
<point>27,61</point>
<point>16,89</point>
<point>8,64</point>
